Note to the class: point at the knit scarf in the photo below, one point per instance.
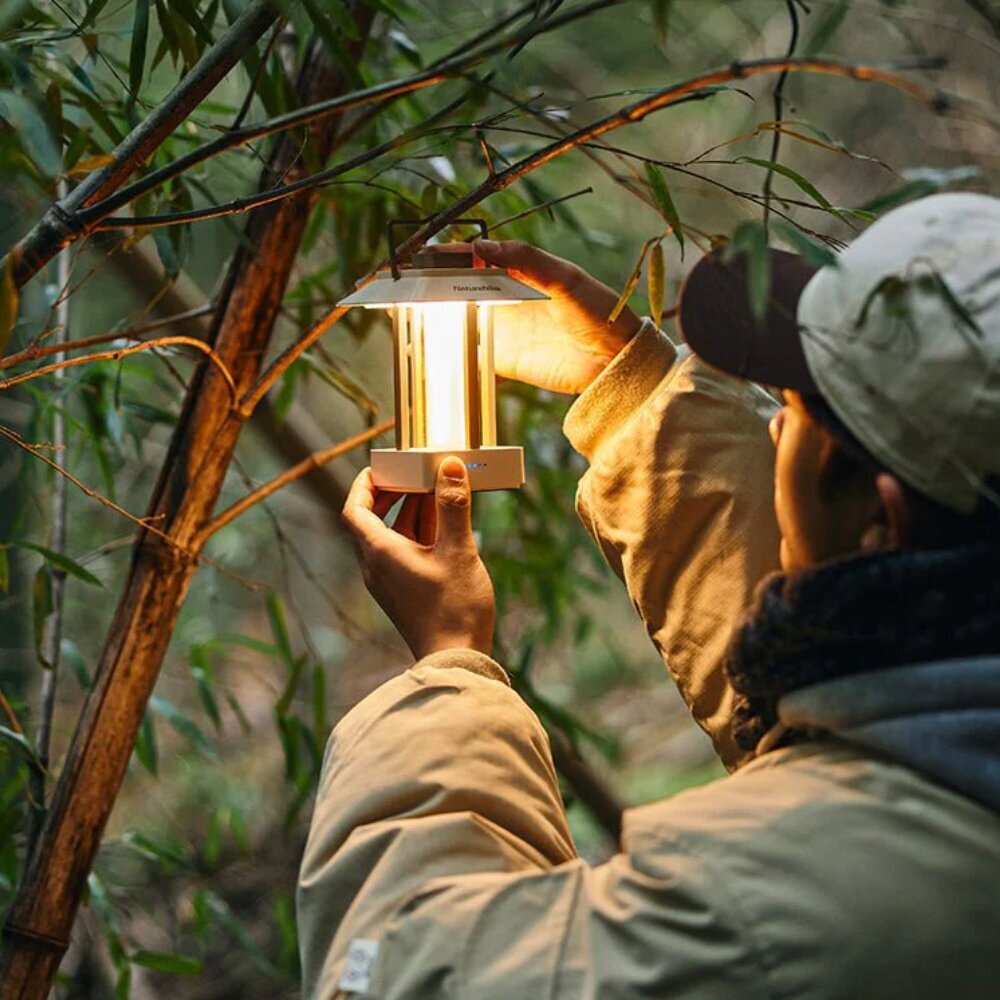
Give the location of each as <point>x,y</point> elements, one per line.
<point>857,614</point>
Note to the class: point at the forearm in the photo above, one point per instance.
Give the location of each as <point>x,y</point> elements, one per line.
<point>441,771</point>
<point>679,496</point>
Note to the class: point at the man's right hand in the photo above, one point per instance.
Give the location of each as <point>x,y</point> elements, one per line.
<point>564,343</point>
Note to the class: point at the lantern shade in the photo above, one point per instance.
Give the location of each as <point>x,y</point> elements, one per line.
<point>445,384</point>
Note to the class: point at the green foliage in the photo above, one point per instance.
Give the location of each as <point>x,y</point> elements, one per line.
<point>277,637</point>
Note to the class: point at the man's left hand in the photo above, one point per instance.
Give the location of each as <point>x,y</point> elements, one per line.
<point>425,571</point>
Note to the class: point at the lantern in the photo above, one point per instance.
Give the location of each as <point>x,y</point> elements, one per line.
<point>445,386</point>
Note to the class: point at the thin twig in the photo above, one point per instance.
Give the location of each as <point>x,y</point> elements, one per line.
<point>131,333</point>
<point>434,74</point>
<point>52,637</point>
<point>261,69</point>
<point>10,715</point>
<point>303,468</point>
<point>779,106</point>
<point>124,352</point>
<point>544,206</point>
<point>143,522</point>
<point>632,113</point>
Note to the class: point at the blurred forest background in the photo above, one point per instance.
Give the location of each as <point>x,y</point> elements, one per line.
<point>192,893</point>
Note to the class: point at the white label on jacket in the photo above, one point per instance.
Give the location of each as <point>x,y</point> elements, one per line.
<point>361,955</point>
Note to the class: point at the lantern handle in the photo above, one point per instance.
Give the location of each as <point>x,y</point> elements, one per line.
<point>484,232</point>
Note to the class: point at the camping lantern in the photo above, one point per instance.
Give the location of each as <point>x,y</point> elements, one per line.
<point>445,386</point>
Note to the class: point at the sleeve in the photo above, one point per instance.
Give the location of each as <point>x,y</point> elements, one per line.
<point>679,497</point>
<point>439,864</point>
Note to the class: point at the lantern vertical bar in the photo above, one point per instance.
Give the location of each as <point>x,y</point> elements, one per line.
<point>487,378</point>
<point>401,377</point>
<point>418,372</point>
<point>473,394</point>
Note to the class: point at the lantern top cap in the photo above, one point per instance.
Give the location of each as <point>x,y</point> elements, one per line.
<point>443,284</point>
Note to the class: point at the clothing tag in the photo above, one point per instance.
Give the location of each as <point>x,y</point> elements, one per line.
<point>361,955</point>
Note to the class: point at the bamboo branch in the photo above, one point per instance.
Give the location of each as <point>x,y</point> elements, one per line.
<point>60,225</point>
<point>779,106</point>
<point>52,638</point>
<point>632,113</point>
<point>124,352</point>
<point>37,351</point>
<point>451,67</point>
<point>303,468</point>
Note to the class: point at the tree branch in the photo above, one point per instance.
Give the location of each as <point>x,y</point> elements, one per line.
<point>124,352</point>
<point>779,106</point>
<point>632,113</point>
<point>303,468</point>
<point>60,225</point>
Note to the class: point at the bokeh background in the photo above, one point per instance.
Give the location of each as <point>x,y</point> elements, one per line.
<point>193,890</point>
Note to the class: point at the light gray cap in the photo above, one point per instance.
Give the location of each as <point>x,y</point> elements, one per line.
<point>902,338</point>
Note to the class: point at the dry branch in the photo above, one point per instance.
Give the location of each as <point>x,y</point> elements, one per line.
<point>124,352</point>
<point>303,468</point>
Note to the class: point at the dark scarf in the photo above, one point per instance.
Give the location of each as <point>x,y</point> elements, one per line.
<point>858,614</point>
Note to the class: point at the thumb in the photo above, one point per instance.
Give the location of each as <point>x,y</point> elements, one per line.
<point>453,499</point>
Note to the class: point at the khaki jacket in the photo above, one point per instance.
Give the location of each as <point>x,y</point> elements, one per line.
<point>440,863</point>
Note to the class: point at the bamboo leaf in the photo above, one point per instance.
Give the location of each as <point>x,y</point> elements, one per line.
<point>71,655</point>
<point>633,281</point>
<point>750,239</point>
<point>61,561</point>
<point>36,136</point>
<point>179,965</point>
<point>826,27</point>
<point>812,252</point>
<point>137,53</point>
<point>145,745</point>
<point>661,18</point>
<point>279,628</point>
<point>662,194</point>
<point>796,178</point>
<point>41,608</point>
<point>655,277</point>
<point>9,302</point>
<point>185,726</point>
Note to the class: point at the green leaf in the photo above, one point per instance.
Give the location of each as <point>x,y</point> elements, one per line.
<point>145,744</point>
<point>71,654</point>
<point>179,965</point>
<point>41,605</point>
<point>750,239</point>
<point>826,27</point>
<point>165,856</point>
<point>655,278</point>
<point>185,726</point>
<point>10,298</point>
<point>798,179</point>
<point>61,561</point>
<point>662,194</point>
<point>920,182</point>
<point>4,570</point>
<point>661,18</point>
<point>137,53</point>
<point>279,627</point>
<point>22,743</point>
<point>808,249</point>
<point>35,135</point>
<point>201,671</point>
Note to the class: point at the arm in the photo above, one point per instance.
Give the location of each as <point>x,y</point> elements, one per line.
<point>679,497</point>
<point>439,841</point>
<point>679,494</point>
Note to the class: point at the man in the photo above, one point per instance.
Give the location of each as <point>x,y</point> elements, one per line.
<point>855,848</point>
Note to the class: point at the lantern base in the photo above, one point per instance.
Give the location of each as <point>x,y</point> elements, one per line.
<point>414,470</point>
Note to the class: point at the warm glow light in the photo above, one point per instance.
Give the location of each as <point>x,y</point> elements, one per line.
<point>442,327</point>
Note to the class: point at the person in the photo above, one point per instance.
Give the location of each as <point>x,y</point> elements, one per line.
<point>854,850</point>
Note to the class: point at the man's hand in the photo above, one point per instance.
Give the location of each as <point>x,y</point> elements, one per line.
<point>425,571</point>
<point>562,344</point>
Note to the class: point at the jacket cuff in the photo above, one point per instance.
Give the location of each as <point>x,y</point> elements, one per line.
<point>466,659</point>
<point>628,381</point>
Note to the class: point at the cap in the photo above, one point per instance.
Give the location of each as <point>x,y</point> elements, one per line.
<point>900,337</point>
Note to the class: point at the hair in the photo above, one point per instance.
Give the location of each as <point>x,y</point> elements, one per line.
<point>848,464</point>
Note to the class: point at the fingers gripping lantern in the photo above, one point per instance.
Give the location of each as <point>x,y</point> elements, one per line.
<point>445,384</point>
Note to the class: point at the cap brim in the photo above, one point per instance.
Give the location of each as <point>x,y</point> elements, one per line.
<point>719,326</point>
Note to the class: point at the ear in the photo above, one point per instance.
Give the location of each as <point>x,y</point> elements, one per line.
<point>892,528</point>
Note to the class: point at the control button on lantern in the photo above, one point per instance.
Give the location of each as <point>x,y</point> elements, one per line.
<point>445,384</point>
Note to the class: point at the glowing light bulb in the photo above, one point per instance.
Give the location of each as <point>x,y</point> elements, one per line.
<point>444,344</point>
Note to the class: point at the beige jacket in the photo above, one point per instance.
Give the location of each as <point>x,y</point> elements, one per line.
<point>440,864</point>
